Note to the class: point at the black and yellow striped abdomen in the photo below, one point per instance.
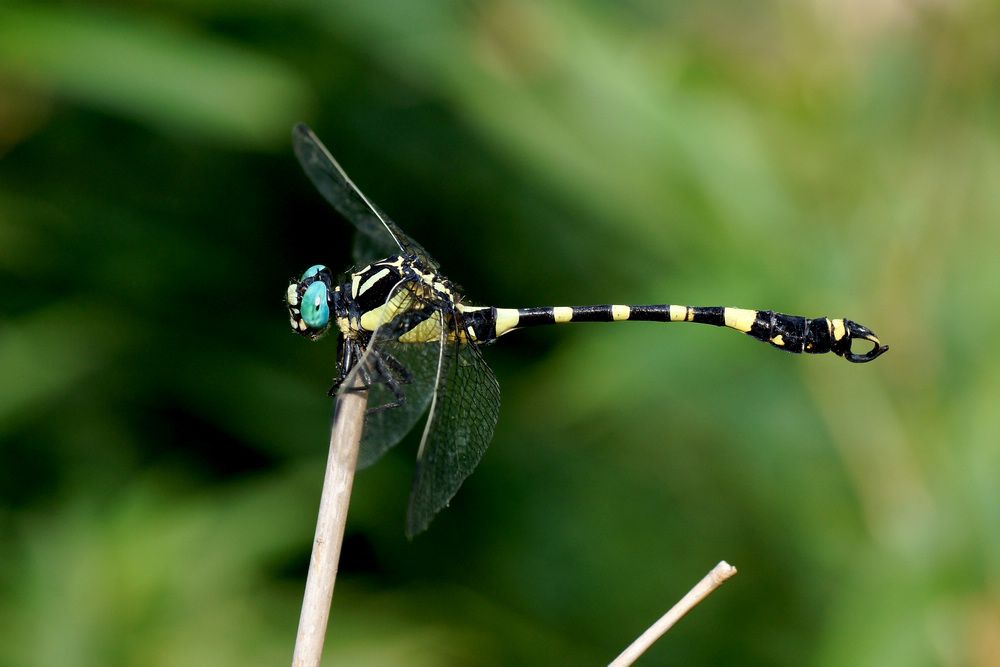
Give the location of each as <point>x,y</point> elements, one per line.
<point>791,333</point>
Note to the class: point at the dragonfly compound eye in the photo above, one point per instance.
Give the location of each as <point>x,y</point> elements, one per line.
<point>311,271</point>
<point>315,307</point>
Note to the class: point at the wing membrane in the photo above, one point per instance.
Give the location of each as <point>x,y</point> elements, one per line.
<point>464,414</point>
<point>385,428</point>
<point>383,238</point>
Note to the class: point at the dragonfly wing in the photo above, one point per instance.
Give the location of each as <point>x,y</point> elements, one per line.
<point>386,427</point>
<point>383,237</point>
<point>463,416</point>
<point>367,250</point>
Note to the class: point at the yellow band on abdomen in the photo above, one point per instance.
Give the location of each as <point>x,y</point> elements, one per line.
<point>507,319</point>
<point>740,319</point>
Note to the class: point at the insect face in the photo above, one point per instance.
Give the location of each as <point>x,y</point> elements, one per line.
<point>308,300</point>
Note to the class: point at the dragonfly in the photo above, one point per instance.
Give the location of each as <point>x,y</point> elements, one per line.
<point>409,337</point>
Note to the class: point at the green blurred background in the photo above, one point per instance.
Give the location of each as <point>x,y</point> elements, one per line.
<point>164,434</point>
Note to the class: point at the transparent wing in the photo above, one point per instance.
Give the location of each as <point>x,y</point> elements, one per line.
<point>385,428</point>
<point>366,250</point>
<point>463,416</point>
<point>382,237</point>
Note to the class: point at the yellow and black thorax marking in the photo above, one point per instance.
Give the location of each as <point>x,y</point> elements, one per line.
<point>406,295</point>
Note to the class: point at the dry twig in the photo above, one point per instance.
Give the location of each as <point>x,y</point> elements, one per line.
<point>345,438</point>
<point>702,589</point>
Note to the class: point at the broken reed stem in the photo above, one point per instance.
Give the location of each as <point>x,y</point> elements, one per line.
<point>702,589</point>
<point>345,439</point>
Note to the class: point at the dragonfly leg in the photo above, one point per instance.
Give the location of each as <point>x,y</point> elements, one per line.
<point>386,366</point>
<point>364,385</point>
<point>391,363</point>
<point>349,350</point>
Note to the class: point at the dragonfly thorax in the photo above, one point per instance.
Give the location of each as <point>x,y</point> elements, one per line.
<point>386,290</point>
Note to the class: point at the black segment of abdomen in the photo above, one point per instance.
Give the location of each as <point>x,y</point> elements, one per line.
<point>796,333</point>
<point>483,323</point>
<point>592,314</point>
<point>715,315</point>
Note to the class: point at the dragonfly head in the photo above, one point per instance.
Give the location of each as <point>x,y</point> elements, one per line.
<point>308,300</point>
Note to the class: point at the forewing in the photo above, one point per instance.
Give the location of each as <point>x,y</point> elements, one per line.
<point>367,250</point>
<point>463,416</point>
<point>383,237</point>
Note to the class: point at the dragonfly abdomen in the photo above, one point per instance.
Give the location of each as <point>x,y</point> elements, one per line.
<point>791,333</point>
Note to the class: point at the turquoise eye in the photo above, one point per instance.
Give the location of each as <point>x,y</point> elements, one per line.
<point>315,309</point>
<point>312,271</point>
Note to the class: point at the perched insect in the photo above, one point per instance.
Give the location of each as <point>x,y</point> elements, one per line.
<point>413,341</point>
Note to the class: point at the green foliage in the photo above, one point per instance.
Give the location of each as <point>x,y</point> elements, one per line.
<point>164,435</point>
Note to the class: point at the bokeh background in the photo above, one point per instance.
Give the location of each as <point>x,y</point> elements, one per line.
<point>164,434</point>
